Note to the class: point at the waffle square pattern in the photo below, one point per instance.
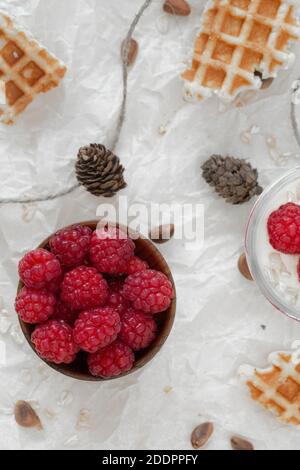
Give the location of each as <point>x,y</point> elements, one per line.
<point>239,42</point>
<point>26,69</point>
<point>277,387</point>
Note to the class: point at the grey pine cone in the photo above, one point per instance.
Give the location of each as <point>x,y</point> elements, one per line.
<point>234,179</point>
<point>99,171</point>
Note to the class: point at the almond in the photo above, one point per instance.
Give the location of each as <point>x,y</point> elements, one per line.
<point>162,234</point>
<point>238,443</point>
<point>201,435</point>
<point>177,7</point>
<point>244,268</point>
<point>26,417</point>
<point>133,48</point>
<point>265,82</point>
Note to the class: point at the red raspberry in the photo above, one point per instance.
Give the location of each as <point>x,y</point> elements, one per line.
<point>84,288</point>
<point>110,251</point>
<point>54,342</point>
<point>96,328</point>
<point>149,291</point>
<point>135,265</point>
<point>39,267</point>
<point>115,298</point>
<point>35,306</point>
<point>284,229</point>
<point>114,360</point>
<point>64,313</point>
<point>71,245</point>
<point>55,285</point>
<point>116,284</point>
<point>138,329</point>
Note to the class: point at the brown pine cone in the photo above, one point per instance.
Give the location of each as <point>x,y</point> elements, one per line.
<point>234,179</point>
<point>99,171</point>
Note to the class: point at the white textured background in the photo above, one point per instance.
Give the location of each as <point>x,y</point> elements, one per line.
<point>219,313</point>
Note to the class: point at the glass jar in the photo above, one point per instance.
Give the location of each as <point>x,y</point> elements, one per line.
<point>274,273</point>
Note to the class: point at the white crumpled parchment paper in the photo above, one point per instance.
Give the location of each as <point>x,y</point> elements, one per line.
<point>220,315</point>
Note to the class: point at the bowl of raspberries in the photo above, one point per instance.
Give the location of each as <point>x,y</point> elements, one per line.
<point>95,303</point>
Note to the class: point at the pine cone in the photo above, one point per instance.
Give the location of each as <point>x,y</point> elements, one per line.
<point>234,179</point>
<point>99,171</point>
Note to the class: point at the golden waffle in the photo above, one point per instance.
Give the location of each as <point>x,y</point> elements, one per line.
<point>237,39</point>
<point>26,69</point>
<point>277,388</point>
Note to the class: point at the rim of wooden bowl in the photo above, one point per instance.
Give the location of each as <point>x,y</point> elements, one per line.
<point>150,253</point>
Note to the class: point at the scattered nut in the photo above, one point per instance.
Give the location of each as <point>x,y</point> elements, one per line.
<point>25,416</point>
<point>50,414</point>
<point>265,82</point>
<point>238,443</point>
<point>84,419</point>
<point>177,7</point>
<point>162,234</point>
<point>201,435</point>
<point>162,130</point>
<point>244,268</point>
<point>133,48</point>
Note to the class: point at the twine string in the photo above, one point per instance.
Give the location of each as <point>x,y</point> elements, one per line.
<point>126,49</point>
<point>120,120</point>
<point>295,102</point>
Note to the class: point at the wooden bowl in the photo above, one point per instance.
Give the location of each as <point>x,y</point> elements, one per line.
<point>146,250</point>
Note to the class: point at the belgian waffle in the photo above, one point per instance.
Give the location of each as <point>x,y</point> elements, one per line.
<point>26,69</point>
<point>238,38</point>
<point>277,387</point>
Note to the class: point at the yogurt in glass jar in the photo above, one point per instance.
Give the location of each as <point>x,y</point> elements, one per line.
<point>274,272</point>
